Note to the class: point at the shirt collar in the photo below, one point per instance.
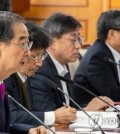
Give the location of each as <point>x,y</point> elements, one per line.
<point>116,55</point>
<point>1,82</point>
<point>61,69</point>
<point>22,77</point>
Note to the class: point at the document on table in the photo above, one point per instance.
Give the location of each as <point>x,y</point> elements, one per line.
<point>99,132</point>
<point>65,132</point>
<point>107,120</point>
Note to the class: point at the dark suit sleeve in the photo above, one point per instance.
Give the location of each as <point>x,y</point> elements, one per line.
<point>43,96</point>
<point>20,129</point>
<point>102,77</point>
<point>20,116</point>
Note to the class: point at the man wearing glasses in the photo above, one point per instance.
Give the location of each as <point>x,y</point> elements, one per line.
<point>16,87</point>
<point>99,70</point>
<point>64,48</point>
<point>14,52</point>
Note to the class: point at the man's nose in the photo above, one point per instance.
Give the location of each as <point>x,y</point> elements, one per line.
<point>27,52</point>
<point>38,63</point>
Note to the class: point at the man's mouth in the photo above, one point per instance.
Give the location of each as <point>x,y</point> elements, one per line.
<point>22,63</point>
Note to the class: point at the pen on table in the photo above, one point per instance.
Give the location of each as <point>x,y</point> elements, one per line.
<point>64,104</point>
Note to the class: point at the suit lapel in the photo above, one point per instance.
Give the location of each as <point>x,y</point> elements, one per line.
<point>2,116</point>
<point>56,80</point>
<point>113,66</point>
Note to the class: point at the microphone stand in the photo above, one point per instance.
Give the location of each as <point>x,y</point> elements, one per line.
<point>107,59</point>
<point>9,96</point>
<point>55,86</point>
<point>87,90</point>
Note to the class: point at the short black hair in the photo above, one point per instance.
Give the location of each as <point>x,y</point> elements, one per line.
<point>108,20</point>
<point>59,24</point>
<point>40,37</point>
<point>7,21</point>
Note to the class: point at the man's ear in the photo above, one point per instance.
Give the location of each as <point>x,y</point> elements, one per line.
<point>53,44</point>
<point>111,33</point>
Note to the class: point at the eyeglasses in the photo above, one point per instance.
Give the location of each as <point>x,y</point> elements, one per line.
<point>76,40</point>
<point>24,46</point>
<point>79,40</point>
<point>40,56</point>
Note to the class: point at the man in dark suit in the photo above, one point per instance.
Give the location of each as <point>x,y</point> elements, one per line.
<point>64,48</point>
<point>12,55</point>
<point>14,51</point>
<point>95,72</point>
<point>16,87</point>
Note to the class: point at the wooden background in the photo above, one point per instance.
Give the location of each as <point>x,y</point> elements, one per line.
<point>86,11</point>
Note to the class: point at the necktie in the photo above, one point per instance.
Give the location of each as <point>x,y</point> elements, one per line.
<point>26,101</point>
<point>2,91</point>
<point>66,88</point>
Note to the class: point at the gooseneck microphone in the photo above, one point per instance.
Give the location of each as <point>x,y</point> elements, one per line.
<point>87,90</point>
<point>36,118</point>
<point>107,59</point>
<point>55,86</point>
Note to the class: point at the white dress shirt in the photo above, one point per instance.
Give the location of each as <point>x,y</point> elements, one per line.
<point>116,56</point>
<point>1,82</point>
<point>49,117</point>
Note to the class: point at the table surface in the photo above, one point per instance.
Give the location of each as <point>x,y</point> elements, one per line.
<point>63,127</point>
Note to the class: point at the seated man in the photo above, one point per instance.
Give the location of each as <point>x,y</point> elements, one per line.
<point>14,51</point>
<point>95,71</point>
<point>15,85</point>
<point>64,48</point>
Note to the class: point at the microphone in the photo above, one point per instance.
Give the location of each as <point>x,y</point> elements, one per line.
<point>107,59</point>
<point>87,90</point>
<point>36,118</point>
<point>55,86</point>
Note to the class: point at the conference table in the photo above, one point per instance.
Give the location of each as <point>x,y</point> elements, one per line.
<point>85,121</point>
<point>65,128</point>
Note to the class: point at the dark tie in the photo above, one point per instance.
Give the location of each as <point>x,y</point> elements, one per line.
<point>26,101</point>
<point>67,75</point>
<point>69,87</point>
<point>22,87</point>
<point>2,91</point>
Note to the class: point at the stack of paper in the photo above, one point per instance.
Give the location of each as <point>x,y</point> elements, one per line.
<point>106,120</point>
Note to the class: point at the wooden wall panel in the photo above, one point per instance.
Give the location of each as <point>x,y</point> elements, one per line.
<point>76,3</point>
<point>83,10</point>
<point>115,4</point>
<point>20,5</point>
<point>86,11</point>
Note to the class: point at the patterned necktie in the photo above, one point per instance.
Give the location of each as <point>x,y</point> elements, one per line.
<point>2,91</point>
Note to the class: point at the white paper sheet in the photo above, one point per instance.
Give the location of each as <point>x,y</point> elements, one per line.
<point>107,120</point>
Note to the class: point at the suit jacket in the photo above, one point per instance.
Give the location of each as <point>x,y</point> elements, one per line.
<point>4,115</point>
<point>17,115</point>
<point>5,120</point>
<point>43,96</point>
<point>97,75</point>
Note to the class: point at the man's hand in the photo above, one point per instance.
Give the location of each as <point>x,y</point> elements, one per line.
<point>65,115</point>
<point>97,105</point>
<point>38,130</point>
